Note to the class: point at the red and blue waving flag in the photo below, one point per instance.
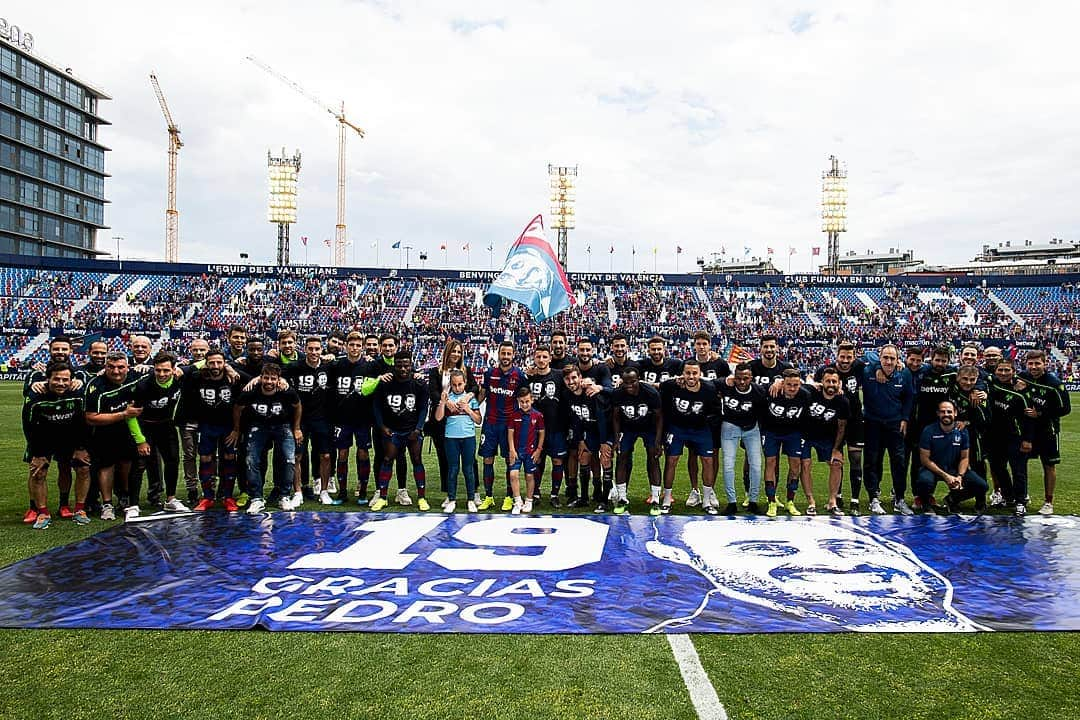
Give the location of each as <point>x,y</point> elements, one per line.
<point>532,276</point>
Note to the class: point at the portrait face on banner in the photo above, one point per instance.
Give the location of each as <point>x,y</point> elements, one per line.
<point>838,572</point>
<point>527,271</point>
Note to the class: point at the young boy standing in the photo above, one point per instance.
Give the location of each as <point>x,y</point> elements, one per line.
<point>525,433</point>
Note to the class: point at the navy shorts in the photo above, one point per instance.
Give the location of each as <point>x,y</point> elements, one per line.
<point>345,435</point>
<point>824,450</point>
<point>855,433</point>
<point>493,438</point>
<point>591,438</point>
<point>699,440</point>
<point>1046,446</point>
<point>555,444</point>
<point>401,439</point>
<point>316,435</point>
<point>526,462</point>
<point>210,436</point>
<point>630,438</point>
<point>51,448</point>
<point>789,443</point>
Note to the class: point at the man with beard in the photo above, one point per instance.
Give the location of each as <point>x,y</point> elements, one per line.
<point>236,340</point>
<point>548,392</point>
<point>215,393</point>
<point>636,414</point>
<point>559,358</point>
<point>943,455</point>
<point>823,431</point>
<point>95,359</point>
<point>620,358</point>
<point>587,438</point>
<point>498,389</point>
<point>686,404</point>
<point>154,432</point>
<point>782,422</point>
<point>713,368</point>
<point>596,382</point>
<point>382,364</point>
<point>934,383</point>
<point>401,407</point>
<point>767,369</point>
<point>972,415</point>
<point>850,370</point>
<point>56,430</point>
<point>189,427</point>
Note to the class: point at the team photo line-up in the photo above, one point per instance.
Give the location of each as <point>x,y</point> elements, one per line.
<point>557,413</point>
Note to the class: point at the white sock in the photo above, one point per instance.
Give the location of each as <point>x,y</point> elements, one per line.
<point>620,488</point>
<point>667,495</point>
<point>709,496</point>
<point>654,492</point>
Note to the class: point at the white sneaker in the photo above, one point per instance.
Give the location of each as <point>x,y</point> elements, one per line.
<point>256,506</point>
<point>472,506</point>
<point>900,506</point>
<point>175,505</point>
<point>449,506</point>
<point>107,512</point>
<point>875,507</point>
<point>131,512</point>
<point>445,502</point>
<point>1047,509</point>
<point>693,499</point>
<point>285,503</point>
<point>402,497</point>
<point>526,507</point>
<point>297,499</point>
<point>331,486</point>
<point>325,499</point>
<point>996,499</point>
<point>516,509</point>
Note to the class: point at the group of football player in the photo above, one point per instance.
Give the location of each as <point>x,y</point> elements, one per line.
<point>227,417</point>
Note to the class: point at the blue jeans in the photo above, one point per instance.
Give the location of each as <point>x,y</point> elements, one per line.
<point>461,455</point>
<point>730,435</point>
<point>258,440</point>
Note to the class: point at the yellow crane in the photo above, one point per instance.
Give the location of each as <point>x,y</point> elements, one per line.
<point>343,123</point>
<point>172,217</point>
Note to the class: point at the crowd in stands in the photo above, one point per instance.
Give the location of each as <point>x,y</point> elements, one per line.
<point>430,309</point>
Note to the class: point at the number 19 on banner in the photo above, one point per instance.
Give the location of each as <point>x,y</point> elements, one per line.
<point>564,543</point>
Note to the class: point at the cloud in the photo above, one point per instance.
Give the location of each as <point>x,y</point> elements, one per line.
<point>694,124</point>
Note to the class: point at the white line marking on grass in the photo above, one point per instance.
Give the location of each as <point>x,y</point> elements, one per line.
<point>702,692</point>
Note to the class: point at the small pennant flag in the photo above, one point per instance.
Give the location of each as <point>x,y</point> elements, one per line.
<point>465,247</point>
<point>490,247</point>
<point>745,250</point>
<point>443,246</point>
<point>735,354</point>
<point>327,241</point>
<point>770,250</point>
<point>654,250</point>
<point>723,250</point>
<point>396,246</point>
<point>815,251</point>
<point>375,244</point>
<point>303,240</point>
<point>678,249</point>
<point>633,251</point>
<point>791,251</point>
<point>589,249</point>
<point>612,250</point>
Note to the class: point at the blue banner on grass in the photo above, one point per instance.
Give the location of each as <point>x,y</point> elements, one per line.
<point>541,574</point>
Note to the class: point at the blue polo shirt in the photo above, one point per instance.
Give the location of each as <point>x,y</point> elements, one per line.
<point>944,447</point>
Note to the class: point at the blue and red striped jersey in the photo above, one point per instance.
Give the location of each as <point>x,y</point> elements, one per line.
<point>527,428</point>
<point>500,387</point>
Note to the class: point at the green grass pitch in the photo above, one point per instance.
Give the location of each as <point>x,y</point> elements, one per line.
<point>163,675</point>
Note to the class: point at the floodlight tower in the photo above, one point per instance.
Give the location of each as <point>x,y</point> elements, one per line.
<point>282,173</point>
<point>563,181</point>
<point>834,209</point>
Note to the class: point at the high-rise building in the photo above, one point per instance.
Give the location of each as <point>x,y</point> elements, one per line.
<point>52,167</point>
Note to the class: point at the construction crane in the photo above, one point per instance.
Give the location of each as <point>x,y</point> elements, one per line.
<point>172,217</point>
<point>343,123</point>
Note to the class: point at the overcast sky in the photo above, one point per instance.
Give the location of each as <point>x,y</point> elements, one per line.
<point>695,124</point>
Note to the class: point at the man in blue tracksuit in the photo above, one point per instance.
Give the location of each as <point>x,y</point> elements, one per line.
<point>888,397</point>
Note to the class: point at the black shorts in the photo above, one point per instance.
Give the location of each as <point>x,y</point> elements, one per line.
<point>855,433</point>
<point>108,450</point>
<point>50,447</point>
<point>1046,446</point>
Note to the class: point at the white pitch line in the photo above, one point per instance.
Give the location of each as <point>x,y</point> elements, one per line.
<point>702,692</point>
